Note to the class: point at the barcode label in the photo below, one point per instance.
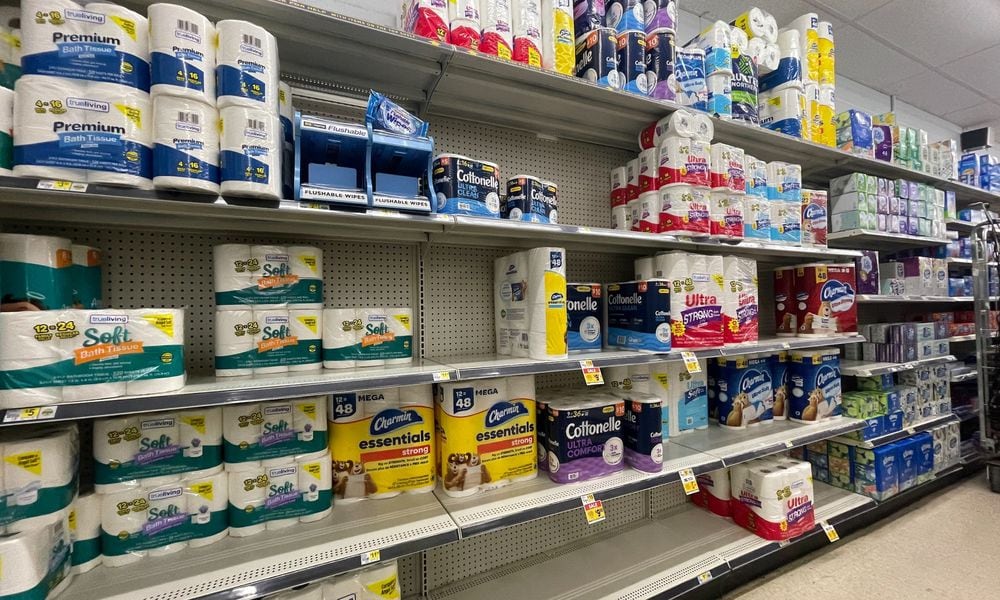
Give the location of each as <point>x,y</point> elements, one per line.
<point>256,124</point>
<point>188,26</point>
<point>186,117</point>
<point>250,40</point>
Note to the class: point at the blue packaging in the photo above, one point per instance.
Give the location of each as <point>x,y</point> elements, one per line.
<point>756,217</point>
<point>777,363</point>
<point>873,428</point>
<point>643,434</point>
<point>854,132</point>
<point>583,312</point>
<point>466,187</point>
<point>956,286</point>
<point>924,443</point>
<point>625,15</point>
<point>906,458</point>
<point>638,315</point>
<point>743,391</point>
<point>691,82</point>
<point>692,407</point>
<point>588,15</point>
<point>875,472</point>
<point>745,90</point>
<point>814,376</point>
<point>968,167</point>
<point>660,64</point>
<point>893,422</point>
<point>720,95</point>
<point>788,74</point>
<point>632,61</point>
<point>597,58</point>
<point>531,200</point>
<point>386,115</point>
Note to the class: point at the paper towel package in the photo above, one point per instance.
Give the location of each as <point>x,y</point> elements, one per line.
<point>773,498</point>
<point>584,311</point>
<point>530,304</point>
<point>382,442</point>
<point>91,354</point>
<point>182,53</point>
<point>695,284</point>
<point>185,144</point>
<point>279,494</point>
<point>266,276</point>
<point>638,315</point>
<point>743,391</point>
<point>367,337</point>
<point>585,437</point>
<point>268,341</point>
<point>85,276</point>
<point>100,42</point>
<point>35,271</point>
<point>85,531</point>
<point>814,381</point>
<point>486,434</point>
<point>134,448</point>
<point>37,563</point>
<point>255,432</point>
<point>39,471</point>
<point>714,492</point>
<point>740,303</point>
<point>247,71</point>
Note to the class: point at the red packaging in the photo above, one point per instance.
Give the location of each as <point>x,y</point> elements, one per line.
<point>619,186</point>
<point>965,316</point>
<point>527,51</point>
<point>428,19</point>
<point>495,44</point>
<point>684,211</point>
<point>825,299</point>
<point>784,301</point>
<point>814,217</point>
<point>728,172</point>
<point>684,160</point>
<point>465,35</point>
<point>649,170</point>
<point>726,215</point>
<point>632,170</point>
<point>713,492</point>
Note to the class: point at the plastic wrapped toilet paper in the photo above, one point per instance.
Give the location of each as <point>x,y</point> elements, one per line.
<point>826,64</point>
<point>768,58</point>
<point>720,95</point>
<point>740,306</point>
<point>269,497</point>
<point>526,27</point>
<point>267,276</point>
<point>85,276</point>
<point>85,532</point>
<point>680,123</point>
<point>783,110</point>
<point>558,40</point>
<point>757,23</point>
<point>182,53</point>
<point>530,303</point>
<point>690,79</point>
<point>715,41</point>
<point>621,218</point>
<point>286,115</point>
<point>644,268</point>
<point>257,432</point>
<point>465,30</point>
<point>341,333</point>
<point>35,274</point>
<point>208,504</point>
<point>695,294</point>
<point>185,144</point>
<point>497,39</point>
<point>36,563</point>
<point>660,56</point>
<point>247,71</point>
<point>6,131</point>
<point>739,42</point>
<point>123,115</point>
<point>368,337</point>
<point>39,472</point>
<point>380,583</point>
<point>135,448</point>
<point>757,506</point>
<point>789,71</point>
<point>100,42</point>
<point>744,89</point>
<point>250,144</point>
<point>808,27</point>
<point>267,341</point>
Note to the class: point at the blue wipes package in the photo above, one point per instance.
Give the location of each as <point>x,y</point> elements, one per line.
<point>584,312</point>
<point>386,115</point>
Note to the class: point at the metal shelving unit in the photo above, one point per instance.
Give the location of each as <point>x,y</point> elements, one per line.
<point>861,240</point>
<point>882,298</point>
<point>895,436</point>
<point>860,368</point>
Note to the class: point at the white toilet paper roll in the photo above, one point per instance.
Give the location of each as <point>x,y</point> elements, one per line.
<point>185,144</point>
<point>247,71</point>
<point>129,28</point>
<point>283,477</point>
<point>315,482</point>
<point>85,531</point>
<point>157,327</point>
<point>769,59</point>
<point>341,337</point>
<point>115,443</point>
<point>644,268</point>
<point>305,261</point>
<point>250,158</point>
<point>21,328</point>
<point>182,53</point>
<point>234,344</point>
<point>125,116</point>
<point>200,432</point>
<point>40,464</point>
<point>621,218</point>
<point>268,260</point>
<point>246,496</point>
<point>35,558</point>
<point>309,419</point>
<point>373,322</point>
<point>242,426</point>
<point>274,329</point>
<point>307,327</point>
<point>231,273</point>
<point>22,397</point>
<point>38,148</point>
<point>100,324</point>
<point>208,503</point>
<point>400,321</point>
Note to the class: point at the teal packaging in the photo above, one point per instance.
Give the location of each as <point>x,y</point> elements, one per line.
<point>85,277</point>
<point>34,272</point>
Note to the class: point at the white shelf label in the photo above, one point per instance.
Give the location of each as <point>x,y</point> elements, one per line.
<point>36,413</point>
<point>705,577</point>
<point>61,186</point>
<point>372,556</point>
<point>442,376</point>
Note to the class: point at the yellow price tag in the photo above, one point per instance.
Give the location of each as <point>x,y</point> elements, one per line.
<point>831,533</point>
<point>593,509</point>
<point>705,577</point>
<point>591,375</point>
<point>442,376</point>
<point>689,481</point>
<point>372,556</point>
<point>691,362</point>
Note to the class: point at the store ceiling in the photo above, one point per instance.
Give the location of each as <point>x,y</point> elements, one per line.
<point>941,57</point>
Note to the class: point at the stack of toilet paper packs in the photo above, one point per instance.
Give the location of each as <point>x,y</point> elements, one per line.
<point>367,337</point>
<point>530,304</point>
<point>40,272</point>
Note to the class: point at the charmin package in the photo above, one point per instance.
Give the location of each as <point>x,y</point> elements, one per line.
<point>73,355</point>
<point>638,315</point>
<point>814,379</point>
<point>40,472</point>
<point>585,437</point>
<point>131,449</point>
<point>742,390</point>
<point>530,304</point>
<point>367,337</point>
<point>267,276</point>
<point>486,434</point>
<point>382,442</point>
<point>263,431</point>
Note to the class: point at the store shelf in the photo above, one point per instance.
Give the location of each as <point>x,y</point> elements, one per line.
<point>899,435</point>
<point>860,368</point>
<point>959,261</point>
<point>959,225</point>
<point>861,240</point>
<point>962,338</point>
<point>965,377</point>
<point>882,298</point>
<point>255,566</point>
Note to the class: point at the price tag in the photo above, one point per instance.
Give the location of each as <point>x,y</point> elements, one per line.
<point>385,212</point>
<point>789,445</point>
<point>34,413</point>
<point>593,509</point>
<point>705,577</point>
<point>786,346</point>
<point>689,481</point>
<point>372,556</point>
<point>442,376</point>
<point>584,230</point>
<point>831,533</point>
<point>61,186</point>
<point>911,430</point>
<point>591,375</point>
<point>784,543</point>
<point>691,362</point>
<point>440,217</point>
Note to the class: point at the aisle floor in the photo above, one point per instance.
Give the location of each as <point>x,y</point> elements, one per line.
<point>959,527</point>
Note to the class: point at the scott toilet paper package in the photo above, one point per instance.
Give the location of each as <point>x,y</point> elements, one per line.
<point>39,472</point>
<point>182,53</point>
<point>585,437</point>
<point>280,493</point>
<point>584,311</point>
<point>135,448</point>
<point>99,42</point>
<point>367,337</point>
<point>382,442</point>
<point>35,271</point>
<point>36,562</point>
<point>814,380</point>
<point>486,434</point>
<point>530,303</point>
<point>267,276</point>
<point>773,497</point>
<point>686,396</point>
<point>247,71</point>
<point>255,432</point>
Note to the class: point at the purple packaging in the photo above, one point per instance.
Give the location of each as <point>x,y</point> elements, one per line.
<point>914,208</point>
<point>904,208</point>
<point>643,433</point>
<point>894,223</point>
<point>866,271</point>
<point>893,205</point>
<point>660,14</point>
<point>882,222</point>
<point>913,190</point>
<point>912,225</point>
<point>585,440</point>
<point>882,138</point>
<point>941,330</point>
<point>956,286</point>
<point>968,285</point>
<point>587,16</point>
<point>660,64</point>
<point>882,204</point>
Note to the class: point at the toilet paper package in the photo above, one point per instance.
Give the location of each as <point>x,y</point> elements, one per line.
<point>715,41</point>
<point>526,27</point>
<point>185,144</point>
<point>725,213</point>
<point>649,170</point>
<point>382,442</point>
<point>642,431</point>
<point>691,85</point>
<point>778,364</point>
<point>85,276</point>
<point>39,472</point>
<point>743,390</point>
<point>826,63</point>
<point>728,170</point>
<point>250,151</point>
<point>280,494</point>
<point>36,563</point>
<point>286,114</point>
<point>814,379</point>
<point>786,222</point>
<point>740,305</point>
<point>648,212</point>
<point>638,315</point>
<point>686,396</point>
<point>784,182</point>
<point>530,303</point>
<point>267,341</point>
<point>463,24</point>
<point>585,438</point>
<point>789,71</point>
<point>486,434</point>
<point>756,218</point>
<point>182,53</point>
<point>426,18</point>
<point>827,300</point>
<point>85,532</point>
<point>625,15</point>
<point>695,298</point>
<point>808,27</point>
<point>783,110</point>
<point>367,337</point>
<point>660,56</point>
<point>267,276</point>
<point>497,28</point>
<point>6,128</point>
<point>378,583</point>
<point>584,311</point>
<point>714,492</point>
<point>645,267</point>
<point>680,123</point>
<point>134,448</point>
<point>785,303</point>
<point>35,271</point>
<point>720,95</point>
<point>684,161</point>
<point>685,210</point>
<point>773,498</point>
<point>757,23</point>
<point>247,66</point>
<point>631,55</point>
<point>81,131</point>
<point>99,42</point>
<point>255,432</point>
<point>466,187</point>
<point>597,57</point>
<point>660,15</point>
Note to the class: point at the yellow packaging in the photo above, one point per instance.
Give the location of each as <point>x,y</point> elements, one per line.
<point>486,434</point>
<point>559,47</point>
<point>813,127</point>
<point>827,116</point>
<point>550,263</point>
<point>827,54</point>
<point>382,442</point>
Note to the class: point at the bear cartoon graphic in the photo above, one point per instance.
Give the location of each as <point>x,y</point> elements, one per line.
<point>740,403</point>
<point>780,397</point>
<point>811,412</point>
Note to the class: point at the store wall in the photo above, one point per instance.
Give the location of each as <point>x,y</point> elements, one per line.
<point>850,94</point>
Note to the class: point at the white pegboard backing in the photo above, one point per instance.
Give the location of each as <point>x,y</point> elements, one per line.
<point>174,270</point>
<point>471,556</point>
<point>411,576</point>
<point>565,379</point>
<point>666,498</point>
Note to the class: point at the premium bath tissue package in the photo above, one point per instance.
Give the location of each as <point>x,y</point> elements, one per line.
<point>182,45</point>
<point>247,71</point>
<point>263,431</point>
<point>39,473</point>
<point>132,449</point>
<point>280,493</point>
<point>268,341</point>
<point>530,304</point>
<point>185,144</point>
<point>72,355</point>
<point>367,337</point>
<point>382,442</point>
<point>267,276</point>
